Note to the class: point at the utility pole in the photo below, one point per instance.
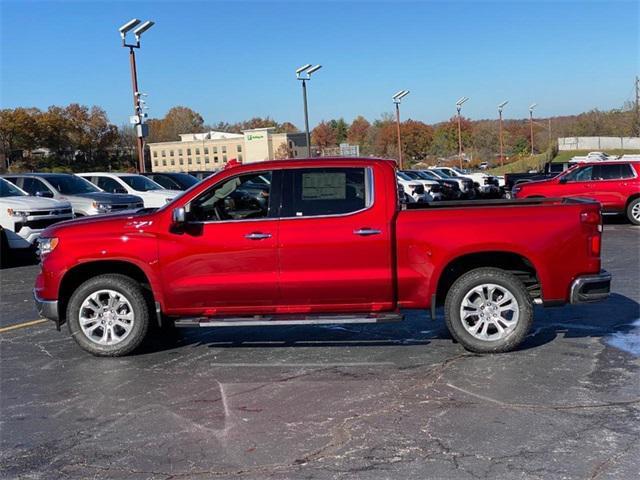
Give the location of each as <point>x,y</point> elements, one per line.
<point>531,107</point>
<point>500,107</point>
<point>397,98</point>
<point>304,74</point>
<point>637,106</point>
<point>458,108</point>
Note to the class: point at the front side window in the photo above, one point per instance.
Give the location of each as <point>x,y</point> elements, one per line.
<point>140,183</point>
<point>583,174</point>
<point>7,189</point>
<point>325,191</point>
<point>110,185</point>
<point>238,198</point>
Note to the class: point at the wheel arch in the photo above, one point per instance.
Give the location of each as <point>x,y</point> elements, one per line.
<point>515,263</point>
<point>631,199</point>
<point>82,272</point>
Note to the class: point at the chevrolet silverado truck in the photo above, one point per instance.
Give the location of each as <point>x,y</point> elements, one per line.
<point>614,184</point>
<point>332,243</point>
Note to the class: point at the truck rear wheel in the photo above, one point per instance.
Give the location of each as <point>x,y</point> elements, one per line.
<point>488,310</point>
<point>108,315</point>
<point>633,211</point>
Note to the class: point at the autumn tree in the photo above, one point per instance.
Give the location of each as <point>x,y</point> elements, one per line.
<point>340,129</point>
<point>178,120</point>
<point>357,133</point>
<point>282,152</point>
<point>18,130</point>
<point>416,140</point>
<point>323,135</point>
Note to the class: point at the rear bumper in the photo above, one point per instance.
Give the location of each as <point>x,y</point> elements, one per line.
<point>47,308</point>
<point>590,288</point>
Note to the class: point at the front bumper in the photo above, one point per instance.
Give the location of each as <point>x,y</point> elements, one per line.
<point>590,288</point>
<point>47,308</point>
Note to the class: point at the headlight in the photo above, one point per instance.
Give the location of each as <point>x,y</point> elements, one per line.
<point>17,213</point>
<point>101,206</point>
<point>46,246</point>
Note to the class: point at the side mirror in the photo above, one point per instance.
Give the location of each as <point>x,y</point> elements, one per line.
<point>44,193</point>
<point>563,180</point>
<point>178,216</point>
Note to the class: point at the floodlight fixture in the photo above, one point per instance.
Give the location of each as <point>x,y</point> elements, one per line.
<point>303,68</point>
<point>400,95</point>
<point>502,104</point>
<point>532,106</point>
<point>461,101</point>
<point>314,69</point>
<point>143,28</point>
<point>128,26</point>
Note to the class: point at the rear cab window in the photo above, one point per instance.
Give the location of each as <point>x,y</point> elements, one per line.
<point>316,192</point>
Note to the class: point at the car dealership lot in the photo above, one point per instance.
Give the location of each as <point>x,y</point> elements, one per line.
<point>375,401</point>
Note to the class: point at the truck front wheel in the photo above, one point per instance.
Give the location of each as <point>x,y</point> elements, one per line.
<point>108,315</point>
<point>488,310</point>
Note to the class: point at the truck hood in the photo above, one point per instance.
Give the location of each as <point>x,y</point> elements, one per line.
<point>119,222</point>
<point>109,198</point>
<point>27,202</point>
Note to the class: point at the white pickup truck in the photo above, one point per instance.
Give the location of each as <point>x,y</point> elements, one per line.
<point>23,216</point>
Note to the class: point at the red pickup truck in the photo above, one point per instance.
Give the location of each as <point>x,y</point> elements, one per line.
<point>318,241</point>
<point>615,184</point>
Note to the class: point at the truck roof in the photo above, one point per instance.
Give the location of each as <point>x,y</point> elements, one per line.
<point>316,162</point>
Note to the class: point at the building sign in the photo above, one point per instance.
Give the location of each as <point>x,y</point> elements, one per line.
<point>254,137</point>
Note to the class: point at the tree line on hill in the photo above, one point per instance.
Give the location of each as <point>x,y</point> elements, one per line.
<point>78,137</point>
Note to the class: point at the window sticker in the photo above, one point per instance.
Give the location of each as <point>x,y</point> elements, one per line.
<point>324,186</point>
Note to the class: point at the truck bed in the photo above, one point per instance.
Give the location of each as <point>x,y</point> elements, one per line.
<point>501,202</point>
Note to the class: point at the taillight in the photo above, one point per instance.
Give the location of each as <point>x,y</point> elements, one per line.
<point>591,217</point>
<point>594,218</point>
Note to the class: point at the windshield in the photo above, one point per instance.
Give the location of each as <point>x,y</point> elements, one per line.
<point>71,185</point>
<point>413,175</point>
<point>404,176</point>
<point>442,173</point>
<point>8,189</point>
<point>428,175</point>
<point>140,183</point>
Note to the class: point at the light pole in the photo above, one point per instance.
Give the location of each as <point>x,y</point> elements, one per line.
<point>304,74</point>
<point>531,107</point>
<point>138,103</point>
<point>458,108</point>
<point>500,107</point>
<point>397,98</point>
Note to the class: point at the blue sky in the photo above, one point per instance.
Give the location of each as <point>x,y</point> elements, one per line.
<point>234,60</point>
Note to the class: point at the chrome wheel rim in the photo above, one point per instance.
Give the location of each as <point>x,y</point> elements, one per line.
<point>489,312</point>
<point>106,317</point>
<point>635,212</point>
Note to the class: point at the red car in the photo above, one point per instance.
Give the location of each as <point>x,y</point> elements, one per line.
<point>331,243</point>
<point>615,184</point>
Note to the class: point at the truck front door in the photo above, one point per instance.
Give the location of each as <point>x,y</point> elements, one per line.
<point>335,241</point>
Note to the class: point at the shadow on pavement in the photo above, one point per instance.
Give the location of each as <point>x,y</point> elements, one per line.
<point>612,317</point>
<point>22,257</point>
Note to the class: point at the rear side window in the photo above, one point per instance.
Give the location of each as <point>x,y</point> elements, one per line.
<point>110,185</point>
<point>166,182</point>
<point>33,186</point>
<point>612,172</point>
<point>325,191</point>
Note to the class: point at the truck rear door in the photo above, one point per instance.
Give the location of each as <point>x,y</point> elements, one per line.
<point>335,241</point>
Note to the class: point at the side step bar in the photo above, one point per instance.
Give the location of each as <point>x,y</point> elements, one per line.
<point>274,320</point>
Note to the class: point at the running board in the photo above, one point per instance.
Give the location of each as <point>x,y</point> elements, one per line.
<point>273,320</point>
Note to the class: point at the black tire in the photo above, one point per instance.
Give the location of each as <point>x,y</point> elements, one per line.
<point>127,288</point>
<point>4,249</point>
<point>473,279</point>
<point>634,204</point>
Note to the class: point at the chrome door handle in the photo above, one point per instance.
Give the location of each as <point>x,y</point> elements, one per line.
<point>365,232</point>
<point>257,236</point>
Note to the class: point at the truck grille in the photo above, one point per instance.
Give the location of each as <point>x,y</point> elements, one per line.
<point>125,206</point>
<point>40,223</point>
<point>436,188</point>
<point>419,189</point>
<point>40,213</point>
<point>491,181</point>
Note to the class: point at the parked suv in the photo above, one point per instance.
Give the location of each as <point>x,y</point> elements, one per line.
<point>24,217</point>
<point>85,198</point>
<point>615,184</point>
<point>152,194</point>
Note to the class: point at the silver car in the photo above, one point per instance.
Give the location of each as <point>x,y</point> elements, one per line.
<point>86,198</point>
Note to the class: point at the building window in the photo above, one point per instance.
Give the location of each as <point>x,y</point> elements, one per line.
<point>173,162</point>
<point>164,163</point>
<point>171,153</point>
<point>182,161</point>
<point>224,149</point>
<point>215,149</point>
<point>164,154</point>
<point>155,153</point>
<point>190,162</point>
<point>224,158</point>
<point>239,148</point>
<point>206,159</point>
<point>240,157</point>
<point>198,160</point>
<point>155,163</point>
<point>206,150</point>
<point>188,151</point>
<point>179,151</point>
<point>215,159</point>
<point>197,151</point>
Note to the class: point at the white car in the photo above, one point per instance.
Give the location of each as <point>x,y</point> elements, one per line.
<point>414,190</point>
<point>486,183</point>
<point>464,184</point>
<point>153,194</point>
<point>24,217</point>
<point>432,187</point>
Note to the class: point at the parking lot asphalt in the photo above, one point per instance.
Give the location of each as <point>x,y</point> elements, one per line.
<point>380,401</point>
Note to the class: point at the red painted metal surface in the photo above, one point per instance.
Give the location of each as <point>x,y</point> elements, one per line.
<point>319,265</point>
